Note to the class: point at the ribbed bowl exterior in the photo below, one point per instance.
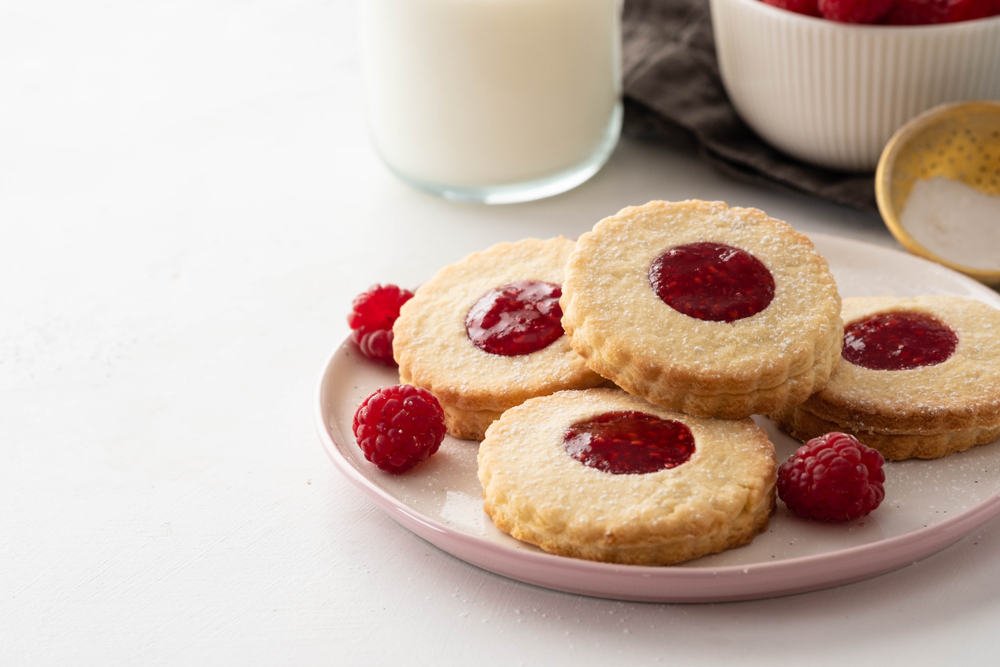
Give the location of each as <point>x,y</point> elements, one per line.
<point>832,94</point>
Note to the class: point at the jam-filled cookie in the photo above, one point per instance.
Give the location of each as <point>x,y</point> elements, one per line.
<point>603,475</point>
<point>485,334</point>
<point>920,377</point>
<point>699,307</point>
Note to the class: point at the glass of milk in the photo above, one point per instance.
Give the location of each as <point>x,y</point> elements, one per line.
<point>493,100</point>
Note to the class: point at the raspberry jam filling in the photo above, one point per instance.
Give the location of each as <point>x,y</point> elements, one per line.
<point>629,443</point>
<point>712,281</point>
<point>898,341</point>
<point>518,318</point>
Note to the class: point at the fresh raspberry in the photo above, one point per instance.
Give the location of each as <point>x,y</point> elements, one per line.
<point>969,10</point>
<point>807,7</point>
<point>917,12</point>
<point>397,427</point>
<point>926,12</point>
<point>832,478</point>
<point>854,11</point>
<point>371,318</point>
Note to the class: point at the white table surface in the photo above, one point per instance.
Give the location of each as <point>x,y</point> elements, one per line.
<point>188,203</point>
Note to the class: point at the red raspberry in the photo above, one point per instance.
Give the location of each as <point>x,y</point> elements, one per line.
<point>807,7</point>
<point>397,427</point>
<point>917,12</point>
<point>924,12</point>
<point>371,318</point>
<point>969,10</point>
<point>914,12</point>
<point>854,11</point>
<point>832,478</point>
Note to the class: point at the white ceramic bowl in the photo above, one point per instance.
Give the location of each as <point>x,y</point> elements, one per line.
<point>832,94</point>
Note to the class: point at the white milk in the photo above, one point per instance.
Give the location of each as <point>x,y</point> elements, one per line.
<point>478,93</point>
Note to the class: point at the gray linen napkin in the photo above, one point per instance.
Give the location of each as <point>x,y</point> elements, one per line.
<point>673,91</point>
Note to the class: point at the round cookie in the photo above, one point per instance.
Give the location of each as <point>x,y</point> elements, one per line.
<point>533,488</point>
<point>432,344</point>
<point>925,411</point>
<point>776,352</point>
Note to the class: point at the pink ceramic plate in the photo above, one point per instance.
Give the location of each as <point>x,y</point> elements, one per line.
<point>929,504</point>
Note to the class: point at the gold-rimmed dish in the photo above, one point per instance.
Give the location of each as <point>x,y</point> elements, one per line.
<point>959,141</point>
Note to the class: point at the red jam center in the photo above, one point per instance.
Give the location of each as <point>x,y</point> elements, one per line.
<point>629,443</point>
<point>712,281</point>
<point>518,318</point>
<point>898,341</point>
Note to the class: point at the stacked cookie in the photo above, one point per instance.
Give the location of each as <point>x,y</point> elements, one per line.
<point>919,378</point>
<point>702,308</point>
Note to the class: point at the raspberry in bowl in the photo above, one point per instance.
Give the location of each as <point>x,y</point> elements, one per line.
<point>832,93</point>
<point>892,12</point>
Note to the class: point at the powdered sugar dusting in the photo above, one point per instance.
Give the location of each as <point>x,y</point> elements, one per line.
<point>961,393</point>
<point>434,350</point>
<point>608,298</point>
<point>531,481</point>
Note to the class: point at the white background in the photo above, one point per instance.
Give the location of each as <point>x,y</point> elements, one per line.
<point>188,203</point>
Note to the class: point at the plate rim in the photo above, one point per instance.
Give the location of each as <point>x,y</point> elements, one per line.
<point>682,584</point>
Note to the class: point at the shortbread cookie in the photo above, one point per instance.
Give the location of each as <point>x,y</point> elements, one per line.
<point>919,378</point>
<point>484,334</point>
<point>603,475</point>
<point>698,307</point>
